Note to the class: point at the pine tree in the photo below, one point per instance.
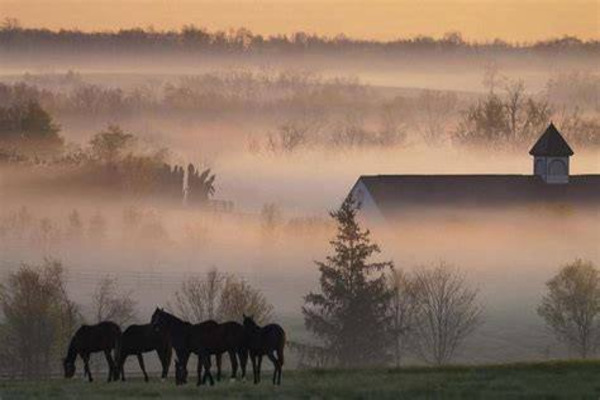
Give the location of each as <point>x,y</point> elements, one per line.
<point>351,314</point>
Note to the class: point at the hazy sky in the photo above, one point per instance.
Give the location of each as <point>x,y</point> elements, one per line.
<point>521,20</point>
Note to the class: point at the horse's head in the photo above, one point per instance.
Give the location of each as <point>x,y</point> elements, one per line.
<point>249,322</point>
<point>69,367</point>
<point>158,319</point>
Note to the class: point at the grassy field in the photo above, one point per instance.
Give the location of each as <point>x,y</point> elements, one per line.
<point>552,380</point>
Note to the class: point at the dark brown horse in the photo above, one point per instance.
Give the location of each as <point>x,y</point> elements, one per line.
<point>105,337</point>
<point>268,340</point>
<point>231,340</point>
<point>187,339</point>
<point>138,339</point>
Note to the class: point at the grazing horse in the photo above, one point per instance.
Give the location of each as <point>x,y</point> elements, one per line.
<point>138,339</point>
<point>186,339</point>
<point>268,340</point>
<point>105,337</point>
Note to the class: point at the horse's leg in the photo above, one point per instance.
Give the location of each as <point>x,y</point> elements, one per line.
<point>121,364</point>
<point>234,364</point>
<point>253,359</point>
<point>111,366</point>
<point>280,359</point>
<point>199,368</point>
<point>243,354</point>
<point>258,365</point>
<point>165,359</point>
<point>219,360</point>
<point>86,366</point>
<point>207,370</point>
<point>140,358</point>
<point>276,366</point>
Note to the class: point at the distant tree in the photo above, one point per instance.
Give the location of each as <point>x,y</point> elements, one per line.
<point>270,217</point>
<point>38,317</point>
<point>504,121</point>
<point>109,145</point>
<point>351,312</point>
<point>97,228</point>
<point>220,297</point>
<point>27,128</point>
<point>111,304</point>
<point>448,312</point>
<point>571,307</point>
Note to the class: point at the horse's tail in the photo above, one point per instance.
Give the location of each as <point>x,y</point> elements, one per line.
<point>281,347</point>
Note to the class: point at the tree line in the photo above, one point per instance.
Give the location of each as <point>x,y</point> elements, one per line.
<point>14,37</point>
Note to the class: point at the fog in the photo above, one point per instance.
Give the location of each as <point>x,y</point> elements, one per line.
<point>508,253</point>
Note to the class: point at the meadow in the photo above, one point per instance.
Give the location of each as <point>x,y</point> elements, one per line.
<point>554,379</point>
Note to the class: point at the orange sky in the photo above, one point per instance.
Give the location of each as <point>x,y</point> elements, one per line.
<point>524,20</point>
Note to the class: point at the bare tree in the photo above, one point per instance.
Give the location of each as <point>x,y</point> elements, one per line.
<point>221,297</point>
<point>571,306</point>
<point>197,298</point>
<point>404,308</point>
<point>238,298</point>
<point>110,304</point>
<point>448,312</point>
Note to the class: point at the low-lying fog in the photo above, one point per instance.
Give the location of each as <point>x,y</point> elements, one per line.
<point>509,254</point>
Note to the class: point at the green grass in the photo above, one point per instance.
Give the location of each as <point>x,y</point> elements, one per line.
<point>551,380</point>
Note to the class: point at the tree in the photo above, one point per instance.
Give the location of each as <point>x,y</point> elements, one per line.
<point>109,145</point>
<point>28,128</point>
<point>404,310</point>
<point>221,297</point>
<point>109,304</point>
<point>351,312</point>
<point>38,317</point>
<point>448,312</point>
<point>571,306</point>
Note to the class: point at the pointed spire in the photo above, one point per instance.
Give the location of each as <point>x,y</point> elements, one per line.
<point>551,144</point>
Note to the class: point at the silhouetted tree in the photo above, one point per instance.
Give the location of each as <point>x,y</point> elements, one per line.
<point>111,304</point>
<point>109,145</point>
<point>351,312</point>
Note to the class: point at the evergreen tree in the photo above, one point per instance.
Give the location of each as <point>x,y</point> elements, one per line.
<point>351,314</point>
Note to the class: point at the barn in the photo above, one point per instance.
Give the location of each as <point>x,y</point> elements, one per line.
<point>387,196</point>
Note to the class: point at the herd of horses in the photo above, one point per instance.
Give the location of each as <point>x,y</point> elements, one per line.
<point>167,333</point>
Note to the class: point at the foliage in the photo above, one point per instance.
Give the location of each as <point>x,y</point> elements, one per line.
<point>109,145</point>
<point>27,128</point>
<point>351,312</point>
<point>448,312</point>
<point>571,307</point>
<point>38,318</point>
<point>221,297</point>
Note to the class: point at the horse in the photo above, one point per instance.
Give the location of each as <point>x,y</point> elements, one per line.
<point>138,339</point>
<point>268,340</point>
<point>232,340</point>
<point>105,337</point>
<point>186,339</point>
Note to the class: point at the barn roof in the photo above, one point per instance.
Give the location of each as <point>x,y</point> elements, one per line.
<point>551,144</point>
<point>392,193</point>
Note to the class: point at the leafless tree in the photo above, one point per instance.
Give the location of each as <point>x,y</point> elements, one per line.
<point>221,297</point>
<point>571,306</point>
<point>111,304</point>
<point>404,309</point>
<point>448,312</point>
